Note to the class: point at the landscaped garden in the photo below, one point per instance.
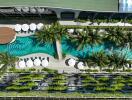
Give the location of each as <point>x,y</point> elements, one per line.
<point>109,50</point>
<point>48,82</point>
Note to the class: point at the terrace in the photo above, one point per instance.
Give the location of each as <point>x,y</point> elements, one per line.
<point>92,54</point>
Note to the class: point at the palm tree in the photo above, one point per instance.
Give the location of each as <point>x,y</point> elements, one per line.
<point>129,39</point>
<point>115,36</point>
<point>98,59</point>
<point>80,41</point>
<point>44,36</point>
<point>52,34</point>
<point>118,60</point>
<point>89,36</point>
<point>7,60</point>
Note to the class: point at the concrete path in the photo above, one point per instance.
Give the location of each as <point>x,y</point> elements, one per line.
<point>93,24</point>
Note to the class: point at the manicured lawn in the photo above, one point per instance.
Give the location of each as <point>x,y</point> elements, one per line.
<point>92,5</point>
<point>66,95</point>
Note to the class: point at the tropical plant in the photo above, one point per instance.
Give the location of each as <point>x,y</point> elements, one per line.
<point>52,34</point>
<point>58,83</point>
<point>118,60</point>
<point>88,36</point>
<point>129,39</point>
<point>116,36</point>
<point>98,59</point>
<point>7,60</point>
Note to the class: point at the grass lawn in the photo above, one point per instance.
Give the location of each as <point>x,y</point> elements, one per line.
<point>67,95</point>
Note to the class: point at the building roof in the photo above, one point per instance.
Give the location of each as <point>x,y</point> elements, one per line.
<point>6,35</point>
<point>86,5</point>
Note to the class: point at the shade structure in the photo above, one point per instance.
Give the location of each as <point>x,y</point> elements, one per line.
<point>40,26</point>
<point>71,62</point>
<point>70,30</point>
<point>33,10</point>
<point>40,10</point>
<point>128,65</point>
<point>18,9</point>
<point>25,9</point>
<point>22,64</point>
<point>18,27</point>
<point>32,26</point>
<point>37,62</point>
<point>29,63</point>
<point>25,27</point>
<point>80,65</point>
<point>45,63</point>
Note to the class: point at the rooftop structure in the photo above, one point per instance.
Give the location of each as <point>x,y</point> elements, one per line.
<point>85,5</point>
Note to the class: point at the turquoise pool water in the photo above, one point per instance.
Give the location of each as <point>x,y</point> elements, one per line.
<point>28,45</point>
<point>69,48</point>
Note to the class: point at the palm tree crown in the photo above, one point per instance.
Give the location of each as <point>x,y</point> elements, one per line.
<point>51,33</point>
<point>115,35</point>
<point>7,60</point>
<point>88,36</point>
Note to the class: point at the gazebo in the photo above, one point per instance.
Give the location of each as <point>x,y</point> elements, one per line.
<point>7,35</point>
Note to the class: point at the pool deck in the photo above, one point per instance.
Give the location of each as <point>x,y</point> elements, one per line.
<point>93,24</point>
<point>54,64</point>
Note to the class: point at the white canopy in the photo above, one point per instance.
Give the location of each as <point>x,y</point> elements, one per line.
<point>29,63</point>
<point>18,27</point>
<point>32,10</point>
<point>25,9</point>
<point>128,65</point>
<point>71,62</point>
<point>40,26</point>
<point>21,64</point>
<point>25,27</point>
<point>37,62</point>
<point>70,30</point>
<point>33,26</point>
<point>45,63</point>
<point>80,65</point>
<point>40,10</point>
<point>19,9</point>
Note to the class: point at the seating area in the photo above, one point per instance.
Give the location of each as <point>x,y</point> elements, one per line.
<point>25,28</point>
<point>75,63</point>
<point>33,62</point>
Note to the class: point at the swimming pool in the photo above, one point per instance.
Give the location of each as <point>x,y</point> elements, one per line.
<point>28,45</point>
<point>69,48</point>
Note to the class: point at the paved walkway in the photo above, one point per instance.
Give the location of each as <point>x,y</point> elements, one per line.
<point>94,24</point>
<point>55,64</point>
